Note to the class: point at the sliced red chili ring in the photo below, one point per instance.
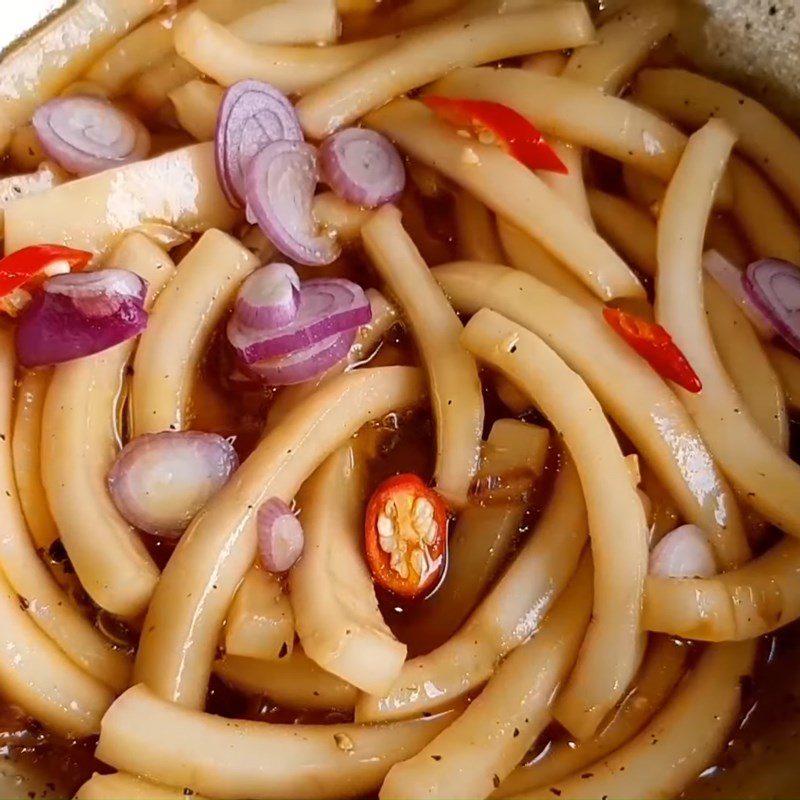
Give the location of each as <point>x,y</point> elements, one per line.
<point>406,535</point>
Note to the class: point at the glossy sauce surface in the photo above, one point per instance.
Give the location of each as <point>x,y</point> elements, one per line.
<point>770,731</point>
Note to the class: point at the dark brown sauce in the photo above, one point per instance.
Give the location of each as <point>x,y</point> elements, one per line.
<point>399,443</point>
<point>761,759</point>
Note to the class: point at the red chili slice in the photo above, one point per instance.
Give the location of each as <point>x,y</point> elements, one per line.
<point>28,268</point>
<point>509,129</point>
<point>655,345</point>
<point>406,535</point>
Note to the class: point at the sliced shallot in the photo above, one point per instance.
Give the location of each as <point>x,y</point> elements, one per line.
<point>774,287</point>
<point>160,481</point>
<point>279,186</point>
<point>327,307</point>
<point>363,167</point>
<point>731,279</point>
<point>280,536</point>
<point>683,553</point>
<point>79,314</point>
<point>306,364</point>
<point>252,115</point>
<point>269,298</point>
<point>87,134</point>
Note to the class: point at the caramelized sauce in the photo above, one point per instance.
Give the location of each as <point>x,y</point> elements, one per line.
<point>762,756</point>
<point>399,443</point>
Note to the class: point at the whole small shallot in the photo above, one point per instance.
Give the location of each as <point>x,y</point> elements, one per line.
<point>87,134</point>
<point>280,536</point>
<point>285,331</point>
<point>80,314</point>
<point>362,167</point>
<point>160,481</point>
<point>774,287</point>
<point>683,553</point>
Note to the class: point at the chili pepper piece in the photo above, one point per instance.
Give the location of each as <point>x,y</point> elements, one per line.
<point>405,535</point>
<point>655,345</point>
<point>29,267</point>
<point>496,123</point>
